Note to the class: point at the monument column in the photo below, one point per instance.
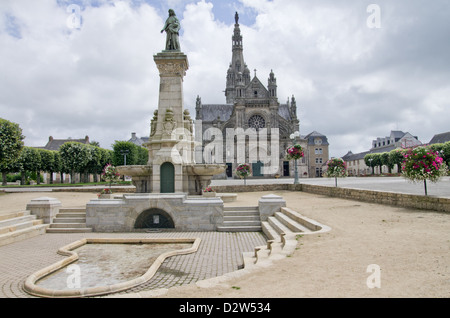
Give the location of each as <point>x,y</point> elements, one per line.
<point>172,66</point>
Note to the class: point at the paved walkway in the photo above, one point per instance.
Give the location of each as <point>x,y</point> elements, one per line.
<point>218,254</point>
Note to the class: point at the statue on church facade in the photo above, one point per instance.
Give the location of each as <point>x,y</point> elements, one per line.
<point>172,28</point>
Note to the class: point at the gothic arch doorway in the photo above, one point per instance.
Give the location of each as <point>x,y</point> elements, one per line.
<point>167,176</point>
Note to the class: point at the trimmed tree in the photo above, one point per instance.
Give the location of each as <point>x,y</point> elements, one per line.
<point>11,145</point>
<point>396,157</point>
<point>75,156</point>
<point>386,161</point>
<point>29,161</point>
<point>369,161</point>
<point>422,164</point>
<point>122,148</point>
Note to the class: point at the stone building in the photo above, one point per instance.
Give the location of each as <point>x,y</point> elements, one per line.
<point>253,111</point>
<point>356,165</point>
<point>317,153</point>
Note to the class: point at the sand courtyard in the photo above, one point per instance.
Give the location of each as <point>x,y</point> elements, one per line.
<point>410,247</point>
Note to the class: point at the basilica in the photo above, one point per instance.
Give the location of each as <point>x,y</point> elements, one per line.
<point>255,121</point>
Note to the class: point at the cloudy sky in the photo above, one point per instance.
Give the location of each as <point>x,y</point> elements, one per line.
<point>358,69</point>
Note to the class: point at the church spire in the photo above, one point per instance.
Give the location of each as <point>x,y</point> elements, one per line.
<point>238,70</point>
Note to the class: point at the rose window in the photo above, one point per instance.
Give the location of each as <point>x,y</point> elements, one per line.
<point>257,122</point>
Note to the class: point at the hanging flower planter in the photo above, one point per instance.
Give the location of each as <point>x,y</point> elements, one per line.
<point>243,171</point>
<point>295,152</point>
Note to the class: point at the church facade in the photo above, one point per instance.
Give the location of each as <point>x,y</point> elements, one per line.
<point>253,126</point>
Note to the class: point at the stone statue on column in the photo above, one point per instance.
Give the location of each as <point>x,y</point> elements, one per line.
<point>172,28</point>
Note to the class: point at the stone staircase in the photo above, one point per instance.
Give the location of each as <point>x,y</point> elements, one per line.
<point>240,219</point>
<point>19,226</point>
<point>282,230</point>
<point>69,220</point>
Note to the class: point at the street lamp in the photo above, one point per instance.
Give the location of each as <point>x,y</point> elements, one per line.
<point>124,153</point>
<point>293,138</point>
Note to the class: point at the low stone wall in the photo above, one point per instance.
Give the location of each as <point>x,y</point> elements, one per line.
<point>389,198</point>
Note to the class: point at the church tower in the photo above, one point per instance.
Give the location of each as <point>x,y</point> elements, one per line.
<point>238,73</point>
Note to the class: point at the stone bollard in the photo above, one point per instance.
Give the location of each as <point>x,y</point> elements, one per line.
<point>44,208</point>
<point>269,204</point>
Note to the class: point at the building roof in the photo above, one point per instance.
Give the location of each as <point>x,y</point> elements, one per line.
<point>138,141</point>
<point>55,144</point>
<point>440,138</point>
<point>211,112</point>
<point>312,136</point>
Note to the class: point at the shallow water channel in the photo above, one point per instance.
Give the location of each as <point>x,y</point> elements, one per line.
<point>107,264</point>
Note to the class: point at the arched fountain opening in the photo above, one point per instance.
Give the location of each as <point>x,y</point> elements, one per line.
<point>154,219</point>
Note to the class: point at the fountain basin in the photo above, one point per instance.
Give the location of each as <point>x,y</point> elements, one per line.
<point>205,169</point>
<point>135,171</point>
<point>32,288</point>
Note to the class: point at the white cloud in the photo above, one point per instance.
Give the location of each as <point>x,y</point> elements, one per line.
<point>351,83</point>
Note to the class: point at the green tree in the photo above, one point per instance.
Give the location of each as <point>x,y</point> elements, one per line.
<point>11,145</point>
<point>386,161</point>
<point>142,156</point>
<point>29,161</point>
<point>47,162</point>
<point>119,148</point>
<point>376,160</point>
<point>369,161</point>
<point>95,164</point>
<point>75,157</point>
<point>396,157</point>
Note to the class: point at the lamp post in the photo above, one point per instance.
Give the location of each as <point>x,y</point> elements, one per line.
<point>124,153</point>
<point>293,138</point>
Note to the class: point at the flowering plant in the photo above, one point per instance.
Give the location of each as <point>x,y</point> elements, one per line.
<point>110,174</point>
<point>423,164</point>
<point>209,189</point>
<point>243,170</point>
<point>295,152</point>
<point>336,167</point>
<point>105,191</point>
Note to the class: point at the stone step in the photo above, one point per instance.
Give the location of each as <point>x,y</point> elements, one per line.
<point>246,228</point>
<point>20,226</point>
<point>311,225</point>
<point>69,220</point>
<point>64,210</point>
<point>13,215</point>
<point>278,226</point>
<point>241,208</point>
<point>71,215</point>
<point>270,232</point>
<point>291,224</point>
<point>16,220</point>
<point>67,225</point>
<point>69,230</point>
<point>22,234</point>
<point>228,218</point>
<point>242,223</point>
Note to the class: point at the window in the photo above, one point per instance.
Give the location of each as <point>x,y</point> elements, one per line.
<point>256,122</point>
<point>318,151</point>
<point>319,160</point>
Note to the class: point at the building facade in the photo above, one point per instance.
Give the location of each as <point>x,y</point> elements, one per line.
<point>253,126</point>
<point>356,165</point>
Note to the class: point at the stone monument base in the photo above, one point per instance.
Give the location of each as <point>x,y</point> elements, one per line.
<point>135,212</point>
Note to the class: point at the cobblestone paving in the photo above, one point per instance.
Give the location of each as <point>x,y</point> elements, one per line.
<point>218,253</point>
